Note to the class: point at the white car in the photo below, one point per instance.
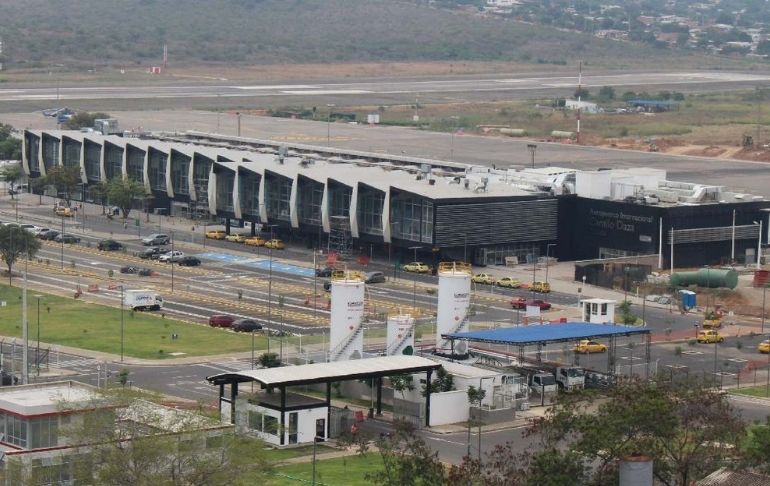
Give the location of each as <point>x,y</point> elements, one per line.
<point>30,228</point>
<point>37,231</point>
<point>156,240</point>
<point>172,256</point>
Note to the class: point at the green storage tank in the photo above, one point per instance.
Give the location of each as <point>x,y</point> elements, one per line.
<point>706,277</point>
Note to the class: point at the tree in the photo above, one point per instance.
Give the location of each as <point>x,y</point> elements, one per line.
<point>12,174</point>
<point>683,425</point>
<point>123,191</point>
<point>607,92</point>
<point>269,360</point>
<point>402,383</point>
<point>756,447</point>
<point>10,146</point>
<point>99,192</point>
<point>443,383</point>
<point>407,460</point>
<point>65,179</point>
<point>16,242</point>
<point>582,93</point>
<point>125,440</point>
<point>83,119</point>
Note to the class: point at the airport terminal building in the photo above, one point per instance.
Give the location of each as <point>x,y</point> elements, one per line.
<point>358,202</point>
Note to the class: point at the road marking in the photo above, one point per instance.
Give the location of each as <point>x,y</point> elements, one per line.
<point>447,441</point>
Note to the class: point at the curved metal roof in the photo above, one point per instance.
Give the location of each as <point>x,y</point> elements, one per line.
<point>546,333</point>
<point>329,372</point>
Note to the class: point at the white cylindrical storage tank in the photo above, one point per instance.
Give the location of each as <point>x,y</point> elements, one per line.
<point>346,339</point>
<point>635,471</point>
<point>400,335</point>
<point>454,299</point>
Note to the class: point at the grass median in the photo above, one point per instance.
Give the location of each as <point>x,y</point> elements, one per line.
<point>347,471</point>
<point>78,324</point>
<point>753,391</point>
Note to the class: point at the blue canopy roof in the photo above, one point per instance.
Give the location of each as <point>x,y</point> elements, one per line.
<point>546,333</point>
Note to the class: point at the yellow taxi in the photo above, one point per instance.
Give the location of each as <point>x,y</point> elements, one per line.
<point>509,282</point>
<point>254,241</point>
<point>416,267</point>
<point>236,238</point>
<point>216,234</point>
<point>275,244</point>
<point>63,211</point>
<point>483,278</point>
<point>764,346</point>
<point>586,346</point>
<point>709,336</point>
<point>542,287</point>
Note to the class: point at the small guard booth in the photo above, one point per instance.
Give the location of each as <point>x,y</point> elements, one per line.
<point>283,417</point>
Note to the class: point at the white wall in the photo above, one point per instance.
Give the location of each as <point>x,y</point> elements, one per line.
<point>306,423</point>
<point>449,407</point>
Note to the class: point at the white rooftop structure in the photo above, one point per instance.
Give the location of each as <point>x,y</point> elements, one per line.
<point>42,399</point>
<point>328,372</point>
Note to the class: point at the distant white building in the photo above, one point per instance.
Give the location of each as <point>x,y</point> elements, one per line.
<point>585,106</point>
<point>502,3</point>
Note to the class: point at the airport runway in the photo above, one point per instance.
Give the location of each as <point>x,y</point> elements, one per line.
<point>440,88</point>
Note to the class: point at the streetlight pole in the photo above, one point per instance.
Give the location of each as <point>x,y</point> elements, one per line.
<point>37,354</point>
<point>122,321</point>
<point>764,296</point>
<point>329,124</point>
<point>171,261</point>
<point>548,247</point>
<point>62,242</point>
<point>414,280</point>
<point>532,149</point>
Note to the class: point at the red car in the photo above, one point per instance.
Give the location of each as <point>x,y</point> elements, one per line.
<point>522,303</point>
<point>221,320</point>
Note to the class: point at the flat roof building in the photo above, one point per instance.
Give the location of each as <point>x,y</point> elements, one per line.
<point>350,200</point>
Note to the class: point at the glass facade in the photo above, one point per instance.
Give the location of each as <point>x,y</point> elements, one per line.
<point>50,152</point>
<point>277,197</point>
<point>248,189</point>
<point>180,173</point>
<point>113,161</point>
<point>157,170</point>
<point>309,201</point>
<point>43,432</point>
<point>225,186</point>
<point>33,150</point>
<point>370,204</point>
<point>71,152</point>
<point>135,164</point>
<point>93,155</point>
<point>411,218</point>
<point>339,200</point>
<point>201,171</point>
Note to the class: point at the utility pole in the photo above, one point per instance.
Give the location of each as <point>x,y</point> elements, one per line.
<point>579,93</point>
<point>25,328</point>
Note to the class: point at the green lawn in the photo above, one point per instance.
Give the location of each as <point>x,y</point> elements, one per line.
<point>343,471</point>
<point>70,322</point>
<point>278,455</point>
<point>752,391</point>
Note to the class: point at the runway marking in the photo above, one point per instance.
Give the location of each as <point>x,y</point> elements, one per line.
<point>278,86</point>
<point>327,92</point>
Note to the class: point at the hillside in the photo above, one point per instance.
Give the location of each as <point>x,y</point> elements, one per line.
<point>93,32</point>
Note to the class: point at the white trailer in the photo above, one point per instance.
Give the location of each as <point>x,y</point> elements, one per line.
<point>142,299</point>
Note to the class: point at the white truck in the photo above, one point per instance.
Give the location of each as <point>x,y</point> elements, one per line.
<point>142,299</point>
<point>542,383</point>
<point>571,378</point>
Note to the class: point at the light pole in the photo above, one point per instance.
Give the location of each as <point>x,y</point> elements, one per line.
<point>414,280</point>
<point>315,440</point>
<point>547,247</point>
<point>329,124</point>
<point>452,140</point>
<point>759,245</point>
<point>532,149</point>
<point>171,261</point>
<point>122,321</point>
<point>764,296</point>
<point>37,353</point>
<point>62,242</point>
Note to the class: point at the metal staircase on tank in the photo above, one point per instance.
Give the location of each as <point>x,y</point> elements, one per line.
<point>397,344</point>
<point>338,350</point>
<point>340,239</point>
